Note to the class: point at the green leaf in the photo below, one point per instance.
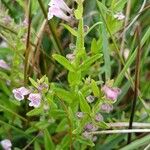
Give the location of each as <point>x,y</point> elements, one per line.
<point>95,49</point>
<point>36,146</point>
<point>74,78</point>
<point>35,84</point>
<point>138,143</point>
<point>42,124</point>
<point>64,62</point>
<point>71,30</point>
<point>131,59</point>
<point>84,106</point>
<point>35,112</point>
<point>95,88</point>
<point>119,5</point>
<point>88,62</point>
<point>79,11</point>
<point>91,28</point>
<point>62,126</point>
<point>106,52</point>
<point>48,143</point>
<point>63,94</point>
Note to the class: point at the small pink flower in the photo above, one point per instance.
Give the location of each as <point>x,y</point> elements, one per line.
<point>80,114</point>
<point>70,57</point>
<point>106,107</point>
<point>119,16</point>
<point>98,117</point>
<point>35,99</point>
<point>111,93</point>
<point>25,22</point>
<point>86,135</point>
<point>55,11</point>
<point>4,65</point>
<point>90,99</point>
<point>6,144</point>
<point>19,93</point>
<point>60,4</point>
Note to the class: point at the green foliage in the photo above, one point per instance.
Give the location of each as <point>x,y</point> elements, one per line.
<point>70,89</point>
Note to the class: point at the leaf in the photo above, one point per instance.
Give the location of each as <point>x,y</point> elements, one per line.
<point>37,146</point>
<point>35,112</point>
<point>48,143</point>
<point>91,28</point>
<point>42,124</point>
<point>74,78</point>
<point>35,84</point>
<point>138,143</point>
<point>119,5</point>
<point>71,30</point>
<point>95,88</point>
<point>131,59</point>
<point>62,126</point>
<point>63,94</point>
<point>64,62</point>
<point>95,49</point>
<point>106,52</point>
<point>88,62</point>
<point>84,106</point>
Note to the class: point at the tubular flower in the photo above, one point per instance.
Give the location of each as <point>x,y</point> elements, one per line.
<point>35,99</point>
<point>111,93</point>
<point>60,4</point>
<point>59,9</point>
<point>6,144</point>
<point>19,93</point>
<point>4,65</point>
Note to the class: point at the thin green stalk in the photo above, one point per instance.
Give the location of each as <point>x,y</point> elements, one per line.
<point>55,39</point>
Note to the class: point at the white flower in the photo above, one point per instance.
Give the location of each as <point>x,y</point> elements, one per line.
<point>4,65</point>
<point>19,93</point>
<point>119,16</point>
<point>35,99</point>
<point>6,144</point>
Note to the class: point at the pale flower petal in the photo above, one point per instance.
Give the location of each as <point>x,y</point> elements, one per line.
<point>60,4</point>
<point>55,11</point>
<point>4,65</point>
<point>35,99</point>
<point>6,144</point>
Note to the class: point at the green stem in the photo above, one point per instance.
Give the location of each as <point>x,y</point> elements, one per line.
<point>55,40</point>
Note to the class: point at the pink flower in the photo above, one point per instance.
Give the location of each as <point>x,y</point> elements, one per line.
<point>60,4</point>
<point>35,99</point>
<point>70,57</point>
<point>98,117</point>
<point>119,16</point>
<point>111,93</point>
<point>6,144</point>
<point>4,65</point>
<point>59,9</point>
<point>80,114</point>
<point>55,11</point>
<point>106,107</point>
<point>19,93</point>
<point>90,99</point>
